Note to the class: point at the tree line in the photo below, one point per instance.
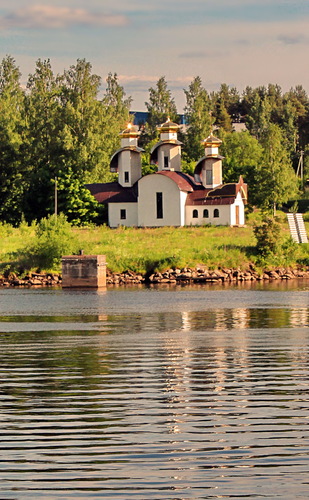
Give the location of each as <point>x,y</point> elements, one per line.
<point>59,133</point>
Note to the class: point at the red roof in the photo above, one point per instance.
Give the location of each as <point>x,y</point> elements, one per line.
<point>201,198</point>
<point>112,192</point>
<point>221,195</point>
<point>184,181</point>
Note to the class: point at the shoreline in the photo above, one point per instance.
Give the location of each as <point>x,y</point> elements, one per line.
<point>184,276</point>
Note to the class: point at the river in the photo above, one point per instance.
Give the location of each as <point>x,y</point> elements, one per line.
<point>158,394</point>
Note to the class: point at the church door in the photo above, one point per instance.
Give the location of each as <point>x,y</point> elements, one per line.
<point>237,215</point>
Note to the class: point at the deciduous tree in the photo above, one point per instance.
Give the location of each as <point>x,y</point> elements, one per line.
<point>161,105</point>
<point>276,177</point>
<point>43,147</point>
<point>13,179</point>
<point>198,119</point>
<point>243,155</point>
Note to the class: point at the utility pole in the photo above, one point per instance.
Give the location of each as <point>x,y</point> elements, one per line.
<point>56,196</point>
<point>300,168</point>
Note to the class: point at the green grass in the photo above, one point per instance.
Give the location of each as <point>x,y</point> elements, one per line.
<point>157,249</point>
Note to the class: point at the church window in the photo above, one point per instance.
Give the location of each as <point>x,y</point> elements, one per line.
<point>195,214</point>
<point>209,177</point>
<point>166,163</point>
<point>205,213</point>
<point>159,205</point>
<point>123,214</point>
<point>216,212</point>
<point>126,177</point>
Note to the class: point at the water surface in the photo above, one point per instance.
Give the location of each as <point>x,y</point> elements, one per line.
<point>190,393</point>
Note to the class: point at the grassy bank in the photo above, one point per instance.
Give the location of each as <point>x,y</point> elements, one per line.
<point>145,250</point>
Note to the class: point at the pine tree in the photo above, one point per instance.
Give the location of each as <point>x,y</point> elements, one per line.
<point>258,117</point>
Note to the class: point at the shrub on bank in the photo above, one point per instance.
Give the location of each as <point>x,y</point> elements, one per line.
<point>53,238</point>
<point>273,247</point>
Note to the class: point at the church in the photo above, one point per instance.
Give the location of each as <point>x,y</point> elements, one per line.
<point>169,197</point>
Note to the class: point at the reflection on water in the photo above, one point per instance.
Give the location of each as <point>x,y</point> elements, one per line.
<point>154,395</point>
<point>213,319</point>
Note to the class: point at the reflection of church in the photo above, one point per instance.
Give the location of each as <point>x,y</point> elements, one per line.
<point>169,197</point>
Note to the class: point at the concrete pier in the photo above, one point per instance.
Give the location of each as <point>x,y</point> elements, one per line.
<point>83,271</point>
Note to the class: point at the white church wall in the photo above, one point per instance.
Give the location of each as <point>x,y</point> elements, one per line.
<point>148,188</point>
<point>183,197</point>
<point>122,214</point>
<point>172,152</point>
<point>238,208</point>
<point>223,219</point>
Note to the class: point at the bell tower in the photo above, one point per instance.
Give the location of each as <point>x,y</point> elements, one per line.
<point>208,170</point>
<point>166,154</point>
<point>127,160</point>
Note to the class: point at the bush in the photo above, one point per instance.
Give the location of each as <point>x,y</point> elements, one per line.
<point>54,238</point>
<point>272,247</point>
<point>5,229</point>
<point>267,234</point>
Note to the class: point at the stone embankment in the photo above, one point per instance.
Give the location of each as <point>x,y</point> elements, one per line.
<point>32,279</point>
<point>173,276</point>
<point>201,275</point>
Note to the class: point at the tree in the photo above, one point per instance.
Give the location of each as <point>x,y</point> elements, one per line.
<point>223,119</point>
<point>75,200</point>
<point>275,100</point>
<point>289,126</point>
<point>13,182</point>
<point>43,148</point>
<point>226,106</point>
<point>267,234</point>
<point>298,99</point>
<point>115,98</point>
<point>276,178</point>
<point>258,117</point>
<point>72,135</point>
<point>115,117</point>
<point>81,116</point>
<point>230,98</point>
<point>242,156</point>
<point>161,106</point>
<point>198,118</point>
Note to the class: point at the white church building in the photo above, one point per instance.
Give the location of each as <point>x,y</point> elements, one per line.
<point>169,197</point>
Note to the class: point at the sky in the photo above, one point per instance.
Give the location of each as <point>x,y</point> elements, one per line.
<point>237,42</point>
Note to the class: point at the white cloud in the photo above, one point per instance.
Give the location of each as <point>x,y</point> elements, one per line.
<point>241,36</point>
<point>151,79</point>
<point>48,16</point>
<point>293,39</point>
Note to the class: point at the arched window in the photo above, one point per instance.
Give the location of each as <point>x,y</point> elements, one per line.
<point>205,213</point>
<point>216,212</point>
<point>195,214</point>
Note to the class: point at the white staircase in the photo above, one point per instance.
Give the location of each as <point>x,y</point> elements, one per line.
<point>297,228</point>
<point>301,228</point>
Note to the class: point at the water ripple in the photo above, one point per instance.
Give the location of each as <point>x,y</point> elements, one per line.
<point>164,406</point>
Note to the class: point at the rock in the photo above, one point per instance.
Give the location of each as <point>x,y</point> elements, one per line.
<point>35,282</point>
